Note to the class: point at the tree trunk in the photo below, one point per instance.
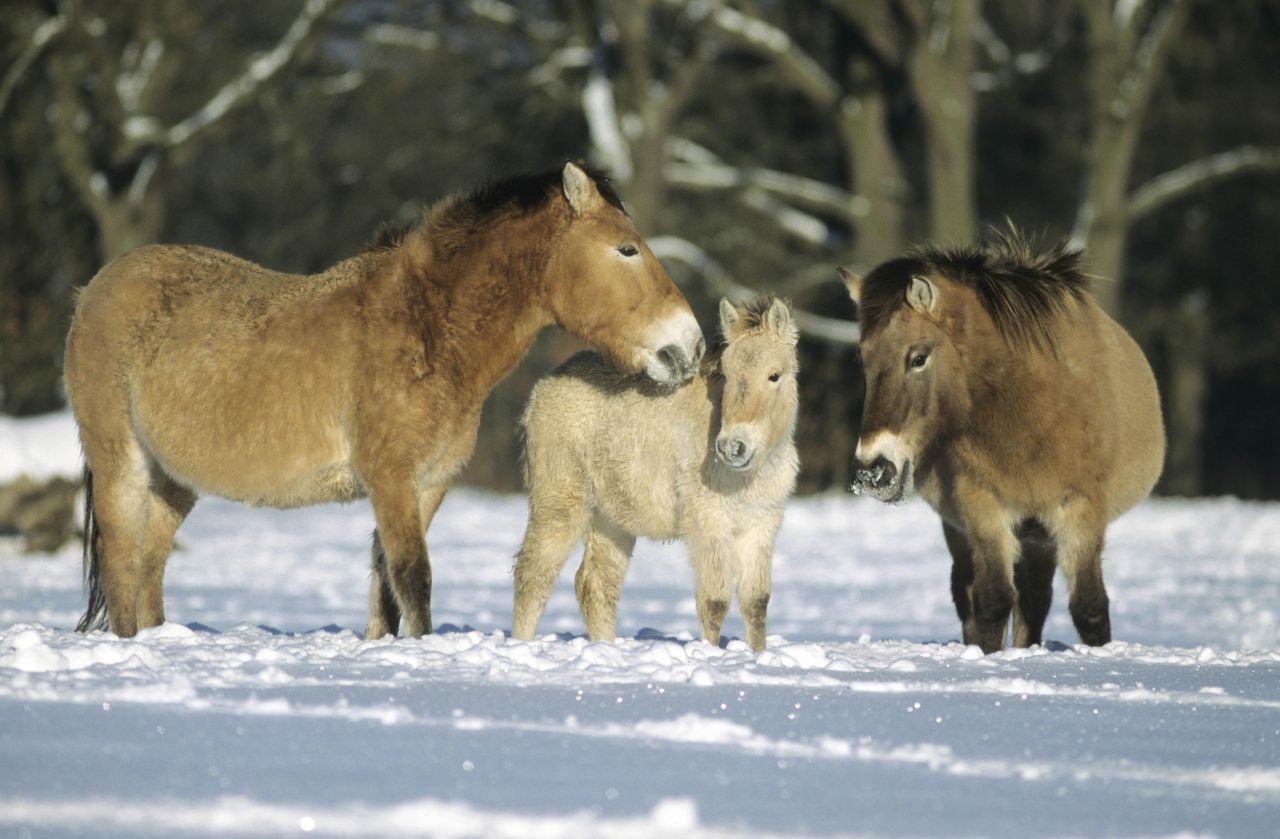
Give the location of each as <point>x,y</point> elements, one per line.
<point>1186,391</point>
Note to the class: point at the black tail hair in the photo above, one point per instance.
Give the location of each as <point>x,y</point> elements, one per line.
<point>95,615</point>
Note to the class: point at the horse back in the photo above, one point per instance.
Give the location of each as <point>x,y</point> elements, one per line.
<point>235,379</point>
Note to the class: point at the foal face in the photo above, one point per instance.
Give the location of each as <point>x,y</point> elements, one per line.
<point>608,288</point>
<point>913,380</point>
<point>758,404</point>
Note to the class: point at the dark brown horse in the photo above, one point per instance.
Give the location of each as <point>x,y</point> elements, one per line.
<point>1027,418</point>
<point>191,371</point>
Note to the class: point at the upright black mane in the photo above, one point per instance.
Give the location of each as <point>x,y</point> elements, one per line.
<point>1022,290</point>
<point>499,198</point>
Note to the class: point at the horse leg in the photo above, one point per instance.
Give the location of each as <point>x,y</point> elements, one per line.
<point>402,525</point>
<point>754,572</point>
<point>384,612</point>
<point>598,583</point>
<point>981,585</point>
<point>167,507</point>
<point>1033,580</point>
<point>557,522</point>
<point>119,506</point>
<point>1080,539</point>
<point>710,571</point>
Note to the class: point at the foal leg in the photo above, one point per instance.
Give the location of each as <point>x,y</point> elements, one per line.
<point>598,583</point>
<point>1033,579</point>
<point>711,578</point>
<point>167,506</point>
<point>754,572</point>
<point>402,525</point>
<point>981,584</point>
<point>557,522</point>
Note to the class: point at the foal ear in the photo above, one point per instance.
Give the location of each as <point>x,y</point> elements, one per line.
<point>580,189</point>
<point>852,282</point>
<point>921,295</point>
<point>778,320</point>
<point>729,317</point>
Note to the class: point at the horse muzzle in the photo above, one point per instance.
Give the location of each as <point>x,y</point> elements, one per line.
<point>734,451</point>
<point>680,350</point>
<point>881,480</point>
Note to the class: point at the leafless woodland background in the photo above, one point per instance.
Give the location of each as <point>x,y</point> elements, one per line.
<point>758,143</point>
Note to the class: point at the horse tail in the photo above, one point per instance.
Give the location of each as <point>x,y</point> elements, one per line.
<point>95,615</point>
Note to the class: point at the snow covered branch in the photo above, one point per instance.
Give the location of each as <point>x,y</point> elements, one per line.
<point>722,282</point>
<point>769,41</point>
<point>394,35</point>
<point>260,69</point>
<point>1134,89</point>
<point>1200,174</point>
<point>40,38</point>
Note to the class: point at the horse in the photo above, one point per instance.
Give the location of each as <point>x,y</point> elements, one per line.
<point>1000,391</point>
<point>610,457</point>
<point>191,371</point>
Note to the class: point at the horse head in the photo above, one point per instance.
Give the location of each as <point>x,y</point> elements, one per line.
<point>758,366</point>
<point>608,288</point>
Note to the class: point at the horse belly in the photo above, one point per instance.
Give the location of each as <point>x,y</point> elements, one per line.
<point>250,444</point>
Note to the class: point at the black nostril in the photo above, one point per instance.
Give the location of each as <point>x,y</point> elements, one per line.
<point>883,472</point>
<point>672,357</point>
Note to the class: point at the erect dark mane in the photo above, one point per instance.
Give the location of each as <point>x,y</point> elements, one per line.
<point>1021,290</point>
<point>497,199</point>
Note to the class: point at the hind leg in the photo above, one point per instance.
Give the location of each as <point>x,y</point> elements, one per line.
<point>598,583</point>
<point>167,506</point>
<point>121,496</point>
<point>981,584</point>
<point>557,523</point>
<point>384,612</point>
<point>1033,580</point>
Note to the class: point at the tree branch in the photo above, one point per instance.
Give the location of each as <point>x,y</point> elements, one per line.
<point>1200,174</point>
<point>721,282</point>
<point>259,70</point>
<point>40,38</point>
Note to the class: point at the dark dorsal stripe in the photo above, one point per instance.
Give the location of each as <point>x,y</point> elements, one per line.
<point>1021,290</point>
<point>515,195</point>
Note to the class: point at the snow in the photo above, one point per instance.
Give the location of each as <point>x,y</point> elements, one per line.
<point>258,710</point>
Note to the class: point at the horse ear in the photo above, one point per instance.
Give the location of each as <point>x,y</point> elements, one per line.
<point>852,282</point>
<point>580,189</point>
<point>729,317</point>
<point>921,295</point>
<point>778,320</point>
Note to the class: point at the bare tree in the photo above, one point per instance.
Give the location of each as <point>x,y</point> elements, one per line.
<point>109,137</point>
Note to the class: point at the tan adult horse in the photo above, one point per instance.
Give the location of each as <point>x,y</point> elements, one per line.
<point>610,458</point>
<point>1027,418</point>
<point>191,371</point>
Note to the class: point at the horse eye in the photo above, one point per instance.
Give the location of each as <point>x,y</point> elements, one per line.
<point>773,377</point>
<point>918,360</point>
<point>628,250</point>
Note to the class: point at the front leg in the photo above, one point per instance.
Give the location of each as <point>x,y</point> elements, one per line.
<point>711,579</point>
<point>981,580</point>
<point>753,554</point>
<point>384,612</point>
<point>405,567</point>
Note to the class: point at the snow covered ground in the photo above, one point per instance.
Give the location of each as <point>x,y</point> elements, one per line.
<point>258,711</point>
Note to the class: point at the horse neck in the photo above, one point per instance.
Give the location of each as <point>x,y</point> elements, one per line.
<point>481,303</point>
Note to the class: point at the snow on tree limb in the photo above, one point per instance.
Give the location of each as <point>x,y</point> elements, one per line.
<point>1199,174</point>
<point>601,113</point>
<point>259,70</point>
<point>722,282</point>
<point>40,38</point>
